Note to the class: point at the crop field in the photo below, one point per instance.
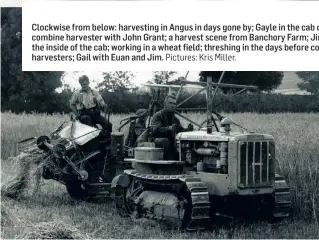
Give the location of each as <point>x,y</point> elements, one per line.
<point>52,210</point>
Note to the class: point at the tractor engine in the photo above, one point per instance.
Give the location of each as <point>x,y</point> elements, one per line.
<point>205,156</point>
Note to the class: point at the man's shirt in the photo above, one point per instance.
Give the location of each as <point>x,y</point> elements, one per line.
<point>85,100</point>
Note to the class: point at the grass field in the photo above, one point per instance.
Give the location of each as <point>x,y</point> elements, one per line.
<point>297,137</point>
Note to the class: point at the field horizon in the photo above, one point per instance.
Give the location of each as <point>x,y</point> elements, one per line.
<point>295,134</point>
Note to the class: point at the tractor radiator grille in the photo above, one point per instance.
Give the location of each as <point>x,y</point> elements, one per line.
<point>256,164</point>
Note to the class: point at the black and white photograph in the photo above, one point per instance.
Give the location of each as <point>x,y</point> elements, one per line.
<point>156,154</point>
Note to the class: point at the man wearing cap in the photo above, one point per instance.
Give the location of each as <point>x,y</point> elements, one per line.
<point>165,125</point>
<point>87,103</point>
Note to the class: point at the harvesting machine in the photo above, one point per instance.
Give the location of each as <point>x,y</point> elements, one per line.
<point>84,158</point>
<point>216,172</point>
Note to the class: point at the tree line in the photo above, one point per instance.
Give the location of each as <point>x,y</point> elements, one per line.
<point>37,91</point>
<point>130,102</point>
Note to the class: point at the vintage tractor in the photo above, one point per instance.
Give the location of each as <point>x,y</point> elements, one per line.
<point>216,173</point>
<point>84,158</point>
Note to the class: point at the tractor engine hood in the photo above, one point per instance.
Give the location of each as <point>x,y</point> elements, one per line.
<point>204,136</point>
<point>220,136</point>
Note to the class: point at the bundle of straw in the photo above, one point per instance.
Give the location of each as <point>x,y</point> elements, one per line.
<point>54,230</point>
<point>31,157</point>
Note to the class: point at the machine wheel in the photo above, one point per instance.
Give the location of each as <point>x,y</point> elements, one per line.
<point>76,191</point>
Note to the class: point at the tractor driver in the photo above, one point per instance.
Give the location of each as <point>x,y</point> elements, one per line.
<point>87,103</point>
<point>165,125</point>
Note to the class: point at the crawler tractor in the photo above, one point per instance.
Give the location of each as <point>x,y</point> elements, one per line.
<point>219,172</point>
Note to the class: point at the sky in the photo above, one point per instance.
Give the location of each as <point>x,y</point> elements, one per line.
<point>141,77</point>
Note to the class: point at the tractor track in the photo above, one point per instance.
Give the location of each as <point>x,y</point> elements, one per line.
<point>197,214</point>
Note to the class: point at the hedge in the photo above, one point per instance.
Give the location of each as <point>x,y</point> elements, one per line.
<point>128,102</point>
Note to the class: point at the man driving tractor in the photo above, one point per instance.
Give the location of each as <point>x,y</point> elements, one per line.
<point>87,103</point>
<point>165,125</point>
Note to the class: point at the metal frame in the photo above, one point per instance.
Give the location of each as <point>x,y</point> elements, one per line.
<point>208,86</point>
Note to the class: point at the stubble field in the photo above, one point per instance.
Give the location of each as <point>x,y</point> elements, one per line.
<point>296,135</point>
